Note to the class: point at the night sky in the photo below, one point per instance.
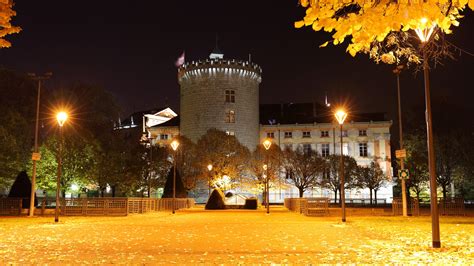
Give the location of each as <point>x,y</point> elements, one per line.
<point>129,48</point>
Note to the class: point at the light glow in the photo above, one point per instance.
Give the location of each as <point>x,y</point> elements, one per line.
<point>209,167</point>
<point>267,143</point>
<point>61,117</point>
<point>425,31</point>
<point>340,115</point>
<point>174,145</point>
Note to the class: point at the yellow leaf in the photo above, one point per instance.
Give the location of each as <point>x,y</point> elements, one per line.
<point>324,45</point>
<point>471,4</point>
<point>299,24</point>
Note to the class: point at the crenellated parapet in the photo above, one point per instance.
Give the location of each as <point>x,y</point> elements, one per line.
<point>220,67</point>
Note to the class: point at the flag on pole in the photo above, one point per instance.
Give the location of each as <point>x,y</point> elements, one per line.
<point>180,60</point>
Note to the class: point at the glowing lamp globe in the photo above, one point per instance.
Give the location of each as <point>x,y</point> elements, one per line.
<point>61,117</point>
<point>340,116</point>
<point>174,145</point>
<point>267,143</point>
<point>209,167</point>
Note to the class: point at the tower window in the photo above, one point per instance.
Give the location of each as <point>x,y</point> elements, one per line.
<point>271,135</point>
<point>229,96</point>
<point>307,149</point>
<point>230,133</point>
<point>362,132</point>
<point>288,135</point>
<point>306,134</point>
<point>324,133</point>
<point>230,116</point>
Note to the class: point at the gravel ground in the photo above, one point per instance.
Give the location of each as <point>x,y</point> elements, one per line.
<point>233,237</point>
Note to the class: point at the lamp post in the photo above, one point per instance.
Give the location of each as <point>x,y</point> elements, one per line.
<point>397,72</point>
<point>61,117</point>
<point>341,115</point>
<point>267,144</point>
<point>209,167</point>
<point>174,146</point>
<point>36,156</point>
<point>425,33</point>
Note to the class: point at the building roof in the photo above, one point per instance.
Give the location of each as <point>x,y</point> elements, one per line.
<point>308,113</point>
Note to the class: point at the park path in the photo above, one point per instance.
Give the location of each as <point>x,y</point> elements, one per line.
<point>232,237</point>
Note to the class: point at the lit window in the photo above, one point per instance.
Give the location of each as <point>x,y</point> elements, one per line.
<point>230,116</point>
<point>164,136</point>
<point>324,133</point>
<point>307,148</point>
<point>271,135</point>
<point>362,132</point>
<point>229,96</point>
<point>363,150</point>
<point>306,134</point>
<point>230,133</point>
<point>344,133</point>
<point>288,135</point>
<point>325,149</point>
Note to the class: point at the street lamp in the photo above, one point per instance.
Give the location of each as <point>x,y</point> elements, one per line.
<point>174,145</point>
<point>209,167</point>
<point>61,117</point>
<point>341,115</point>
<point>397,72</point>
<point>36,156</point>
<point>424,33</point>
<point>267,144</point>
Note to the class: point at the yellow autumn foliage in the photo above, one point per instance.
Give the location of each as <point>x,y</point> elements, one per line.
<point>364,21</point>
<point>6,28</point>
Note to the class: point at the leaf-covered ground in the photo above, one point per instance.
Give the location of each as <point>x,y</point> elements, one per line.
<point>232,237</point>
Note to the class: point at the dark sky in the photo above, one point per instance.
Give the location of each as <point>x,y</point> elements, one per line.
<point>129,47</point>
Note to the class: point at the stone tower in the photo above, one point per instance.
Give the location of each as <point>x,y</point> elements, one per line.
<point>220,93</point>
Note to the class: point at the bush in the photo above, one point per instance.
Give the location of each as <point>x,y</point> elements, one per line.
<point>216,200</point>
<point>180,190</point>
<point>21,188</point>
<point>251,204</point>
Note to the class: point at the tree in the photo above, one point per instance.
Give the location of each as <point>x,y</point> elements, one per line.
<point>371,177</point>
<point>79,162</point>
<point>6,28</point>
<point>416,163</point>
<point>260,157</point>
<point>303,169</point>
<point>188,163</point>
<point>367,24</point>
<point>226,154</point>
<point>331,176</point>
<point>16,127</point>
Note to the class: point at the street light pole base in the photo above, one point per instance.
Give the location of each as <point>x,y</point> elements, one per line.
<point>344,220</point>
<point>56,220</point>
<point>436,244</point>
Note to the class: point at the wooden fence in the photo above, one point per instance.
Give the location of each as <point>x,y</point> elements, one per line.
<point>308,206</point>
<point>452,206</point>
<point>10,206</point>
<point>119,206</point>
<point>413,207</point>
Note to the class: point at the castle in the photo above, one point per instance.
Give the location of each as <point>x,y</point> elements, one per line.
<point>224,94</point>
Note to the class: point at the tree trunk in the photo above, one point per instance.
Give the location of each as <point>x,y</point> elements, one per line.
<point>370,196</point>
<point>335,196</point>
<point>113,191</point>
<point>444,188</point>
<point>375,195</point>
<point>301,190</point>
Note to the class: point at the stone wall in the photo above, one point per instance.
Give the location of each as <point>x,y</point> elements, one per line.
<point>202,95</point>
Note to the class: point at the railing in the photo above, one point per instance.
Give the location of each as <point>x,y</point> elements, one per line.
<point>119,206</point>
<point>10,206</point>
<point>413,207</point>
<point>94,206</point>
<point>452,206</point>
<point>308,206</point>
<point>361,201</point>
